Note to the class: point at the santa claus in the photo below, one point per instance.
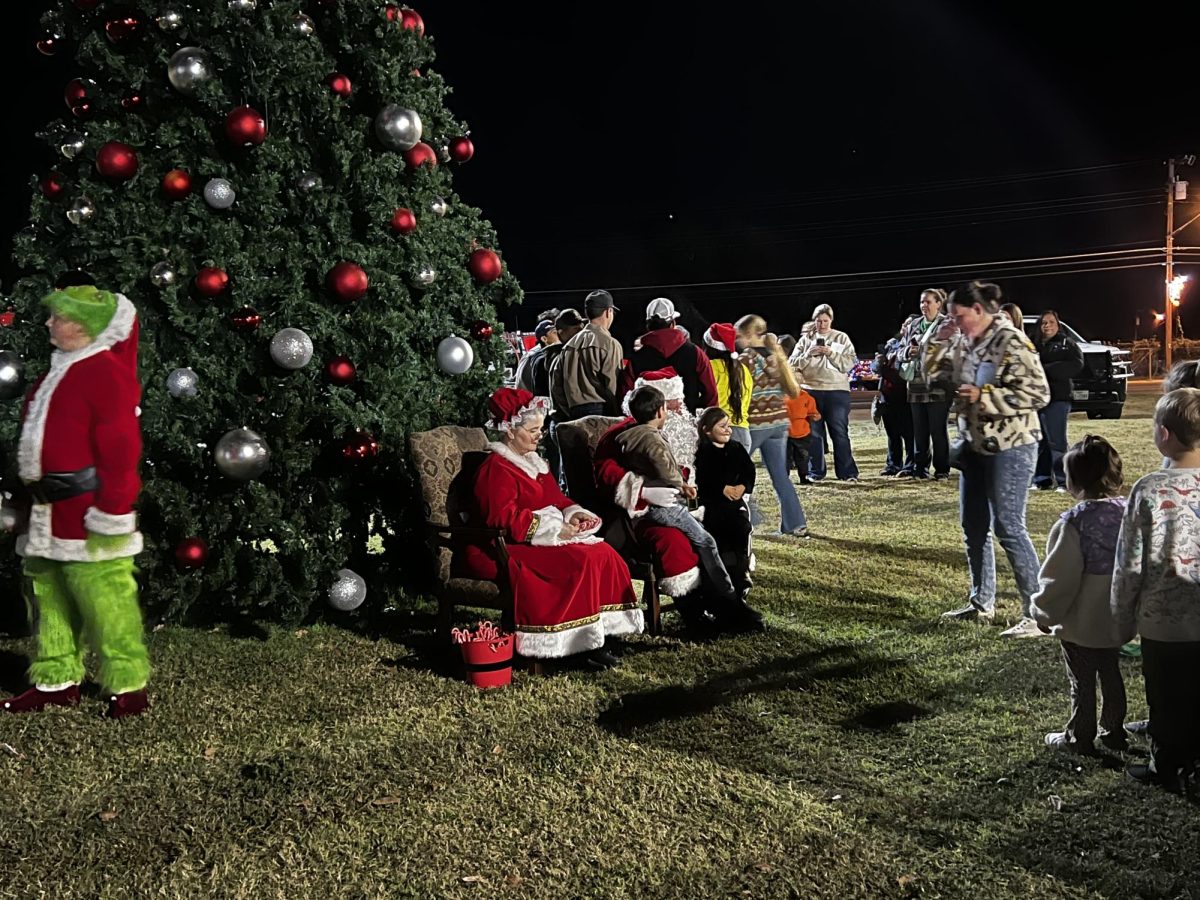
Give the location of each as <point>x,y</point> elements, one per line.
<point>680,429</point>
<point>78,458</point>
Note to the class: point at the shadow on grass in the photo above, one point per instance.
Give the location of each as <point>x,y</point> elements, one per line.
<point>947,557</point>
<point>634,713</point>
<point>885,716</point>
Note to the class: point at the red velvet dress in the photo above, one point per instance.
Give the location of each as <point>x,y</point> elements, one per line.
<point>566,596</point>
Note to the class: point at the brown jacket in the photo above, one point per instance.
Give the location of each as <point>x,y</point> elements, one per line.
<point>645,451</point>
<point>587,371</point>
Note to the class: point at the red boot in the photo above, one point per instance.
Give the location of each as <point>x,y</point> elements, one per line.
<point>35,699</point>
<point>131,703</point>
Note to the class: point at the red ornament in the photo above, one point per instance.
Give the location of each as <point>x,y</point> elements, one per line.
<point>133,100</point>
<point>415,73</point>
<point>347,282</point>
<point>340,84</point>
<point>461,149</point>
<point>211,281</point>
<point>245,320</point>
<point>392,11</point>
<point>420,155</point>
<point>7,318</point>
<point>76,96</point>
<point>191,553</point>
<point>411,19</point>
<point>245,126</point>
<point>49,43</point>
<point>53,184</point>
<point>359,447</point>
<point>485,265</point>
<point>122,25</point>
<point>403,221</point>
<point>481,330</point>
<point>177,184</point>
<point>341,371</point>
<point>116,161</point>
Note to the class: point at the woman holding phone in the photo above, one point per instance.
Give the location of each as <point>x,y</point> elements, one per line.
<point>1001,388</point>
<point>823,359</point>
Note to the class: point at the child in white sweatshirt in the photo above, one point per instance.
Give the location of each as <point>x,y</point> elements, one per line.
<point>1076,583</point>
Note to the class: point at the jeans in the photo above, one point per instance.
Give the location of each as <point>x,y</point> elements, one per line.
<point>1086,665</point>
<point>703,543</point>
<point>587,409</point>
<point>741,434</point>
<point>798,451</point>
<point>772,442</point>
<point>1053,445</point>
<point>834,407</point>
<point>929,424</point>
<point>991,498</point>
<point>898,423</point>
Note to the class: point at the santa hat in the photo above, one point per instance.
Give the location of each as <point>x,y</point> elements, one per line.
<point>509,406</point>
<point>666,381</point>
<point>722,336</point>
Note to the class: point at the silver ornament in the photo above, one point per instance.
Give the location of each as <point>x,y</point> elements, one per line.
<point>291,348</point>
<point>72,145</point>
<point>438,206</point>
<point>81,210</point>
<point>188,68</point>
<point>169,20</point>
<point>426,275</point>
<point>304,24</point>
<point>241,454</point>
<point>398,128</point>
<point>243,5</point>
<point>348,591</point>
<point>163,274</point>
<point>183,383</point>
<point>308,181</point>
<point>219,193</point>
<point>455,355</point>
<point>12,375</point>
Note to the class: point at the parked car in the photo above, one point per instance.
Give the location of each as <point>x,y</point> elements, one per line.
<point>1099,390</point>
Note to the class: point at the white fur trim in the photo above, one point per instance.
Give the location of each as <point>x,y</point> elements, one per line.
<point>39,541</point>
<point>628,493</point>
<point>33,432</point>
<point>549,525</point>
<point>531,464</point>
<point>539,405</point>
<point>698,513</point>
<point>556,644</point>
<point>52,688</point>
<point>671,388</point>
<point>622,621</point>
<point>682,584</point>
<point>105,523</point>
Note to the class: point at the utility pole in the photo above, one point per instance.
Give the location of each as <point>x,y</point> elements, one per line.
<point>1169,305</point>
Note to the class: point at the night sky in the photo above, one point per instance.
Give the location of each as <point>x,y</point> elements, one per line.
<point>656,152</point>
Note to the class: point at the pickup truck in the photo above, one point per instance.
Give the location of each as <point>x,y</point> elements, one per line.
<point>1099,390</point>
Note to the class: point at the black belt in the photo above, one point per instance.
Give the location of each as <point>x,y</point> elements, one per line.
<point>55,486</point>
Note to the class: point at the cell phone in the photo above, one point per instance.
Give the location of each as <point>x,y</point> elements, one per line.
<point>820,342</point>
<point>985,374</point>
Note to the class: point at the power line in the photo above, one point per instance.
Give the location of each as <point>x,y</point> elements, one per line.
<point>793,279</point>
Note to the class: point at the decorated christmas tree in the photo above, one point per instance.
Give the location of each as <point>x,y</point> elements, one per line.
<point>269,182</point>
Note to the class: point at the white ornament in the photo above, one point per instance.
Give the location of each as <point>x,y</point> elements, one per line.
<point>219,193</point>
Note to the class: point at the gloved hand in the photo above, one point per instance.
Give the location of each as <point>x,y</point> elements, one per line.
<point>660,496</point>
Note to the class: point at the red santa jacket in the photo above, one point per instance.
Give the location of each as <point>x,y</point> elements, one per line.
<point>679,567</point>
<point>84,412</point>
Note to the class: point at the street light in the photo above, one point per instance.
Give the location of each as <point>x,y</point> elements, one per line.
<point>1175,288</point>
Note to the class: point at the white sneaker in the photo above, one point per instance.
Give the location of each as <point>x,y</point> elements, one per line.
<point>1023,629</point>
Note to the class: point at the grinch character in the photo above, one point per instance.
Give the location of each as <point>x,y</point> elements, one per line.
<point>78,458</point>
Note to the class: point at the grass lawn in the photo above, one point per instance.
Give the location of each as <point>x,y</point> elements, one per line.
<point>860,748</point>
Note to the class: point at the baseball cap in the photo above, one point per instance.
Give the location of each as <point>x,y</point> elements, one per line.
<point>661,308</point>
<point>544,327</point>
<point>597,302</point>
<point>569,318</point>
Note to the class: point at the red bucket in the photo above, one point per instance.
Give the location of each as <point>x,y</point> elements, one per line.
<point>488,664</point>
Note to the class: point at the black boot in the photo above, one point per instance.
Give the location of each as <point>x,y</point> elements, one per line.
<point>737,616</point>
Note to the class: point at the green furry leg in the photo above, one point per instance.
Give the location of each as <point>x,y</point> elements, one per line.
<point>107,596</point>
<point>56,623</point>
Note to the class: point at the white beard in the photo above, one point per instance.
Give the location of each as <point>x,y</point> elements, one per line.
<point>680,432</point>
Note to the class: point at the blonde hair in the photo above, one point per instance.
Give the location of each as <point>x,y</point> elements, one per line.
<point>1179,413</point>
<point>938,294</point>
<point>1014,314</point>
<point>823,310</point>
<point>1182,374</point>
<point>755,326</point>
